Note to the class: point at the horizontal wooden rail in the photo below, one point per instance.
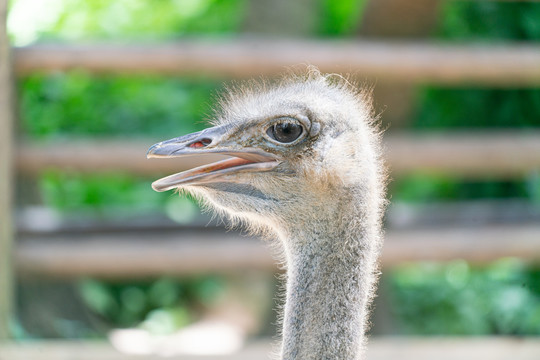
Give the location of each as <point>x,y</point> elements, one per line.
<point>99,155</point>
<point>505,154</point>
<point>140,254</point>
<point>145,254</point>
<point>504,65</point>
<point>508,155</point>
<point>38,220</point>
<point>379,348</point>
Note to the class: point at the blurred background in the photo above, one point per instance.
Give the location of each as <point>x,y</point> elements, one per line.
<point>99,255</point>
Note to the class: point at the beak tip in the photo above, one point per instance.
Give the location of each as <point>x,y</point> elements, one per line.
<point>151,153</point>
<point>158,188</point>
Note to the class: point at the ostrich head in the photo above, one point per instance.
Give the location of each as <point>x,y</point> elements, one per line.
<point>305,168</point>
<point>300,150</point>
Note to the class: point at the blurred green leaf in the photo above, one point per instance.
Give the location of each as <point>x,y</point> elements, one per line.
<point>164,293</point>
<point>209,290</point>
<point>98,297</point>
<point>341,18</point>
<point>426,188</point>
<point>102,194</point>
<point>434,298</point>
<point>165,321</point>
<point>78,104</point>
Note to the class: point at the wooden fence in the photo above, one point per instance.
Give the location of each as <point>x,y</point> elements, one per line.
<point>501,65</point>
<point>142,254</point>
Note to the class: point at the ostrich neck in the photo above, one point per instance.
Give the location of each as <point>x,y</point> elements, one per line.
<point>330,282</point>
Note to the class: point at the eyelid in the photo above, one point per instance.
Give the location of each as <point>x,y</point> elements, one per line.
<point>303,120</point>
<point>284,120</point>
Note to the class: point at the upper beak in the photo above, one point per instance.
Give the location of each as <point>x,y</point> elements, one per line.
<point>205,142</point>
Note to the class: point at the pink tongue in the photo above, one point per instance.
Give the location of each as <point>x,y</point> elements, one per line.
<point>222,165</point>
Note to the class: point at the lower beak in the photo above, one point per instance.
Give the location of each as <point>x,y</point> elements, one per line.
<point>208,142</point>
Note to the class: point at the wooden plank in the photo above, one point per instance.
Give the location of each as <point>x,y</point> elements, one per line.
<point>140,254</point>
<point>99,155</point>
<point>147,254</point>
<point>6,176</point>
<point>480,212</point>
<point>379,348</point>
<point>503,155</point>
<point>404,20</point>
<point>453,348</point>
<point>494,65</point>
<point>479,245</point>
<point>45,221</point>
<point>473,155</point>
<point>92,350</point>
<point>260,18</point>
<point>399,18</point>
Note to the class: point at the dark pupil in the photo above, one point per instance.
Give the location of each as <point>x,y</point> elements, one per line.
<point>287,132</point>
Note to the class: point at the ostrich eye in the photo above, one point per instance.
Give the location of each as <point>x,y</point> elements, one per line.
<point>285,132</point>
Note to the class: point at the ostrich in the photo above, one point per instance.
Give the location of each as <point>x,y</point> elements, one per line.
<point>305,169</point>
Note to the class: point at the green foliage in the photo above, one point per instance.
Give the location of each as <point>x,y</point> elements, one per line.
<point>436,299</point>
<point>79,104</point>
<point>490,21</point>
<point>122,19</point>
<point>99,193</point>
<point>444,108</point>
<point>161,306</point>
<point>112,196</point>
<point>341,17</point>
<point>141,19</point>
<point>533,187</point>
<point>424,188</point>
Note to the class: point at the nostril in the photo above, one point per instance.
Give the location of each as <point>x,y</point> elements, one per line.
<point>201,143</point>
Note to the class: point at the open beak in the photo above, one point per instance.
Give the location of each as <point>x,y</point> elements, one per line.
<point>208,142</point>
